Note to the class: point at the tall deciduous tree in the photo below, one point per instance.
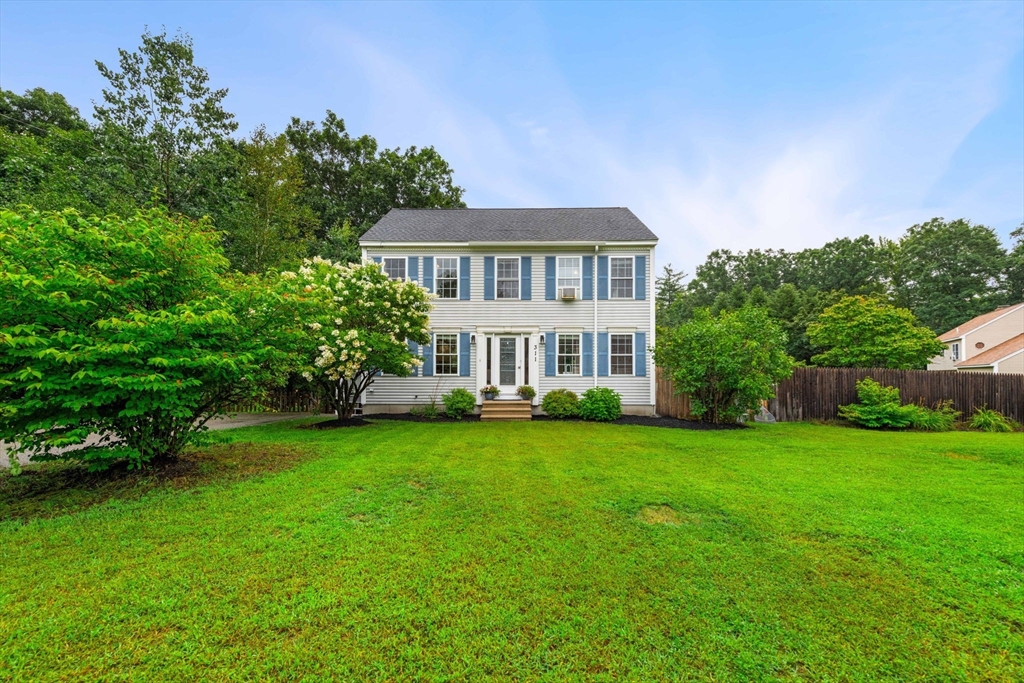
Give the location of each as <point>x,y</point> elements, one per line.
<point>868,332</point>
<point>130,329</point>
<point>349,181</point>
<point>846,264</point>
<point>952,271</point>
<point>49,157</point>
<point>1014,279</point>
<point>268,226</point>
<point>727,363</point>
<point>37,112</point>
<point>162,121</point>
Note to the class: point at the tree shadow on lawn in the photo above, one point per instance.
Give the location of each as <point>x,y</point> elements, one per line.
<point>57,488</point>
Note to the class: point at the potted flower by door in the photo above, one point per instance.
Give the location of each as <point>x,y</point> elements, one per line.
<point>490,392</point>
<point>526,392</point>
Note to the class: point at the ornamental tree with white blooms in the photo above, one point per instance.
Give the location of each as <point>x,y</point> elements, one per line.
<point>359,324</point>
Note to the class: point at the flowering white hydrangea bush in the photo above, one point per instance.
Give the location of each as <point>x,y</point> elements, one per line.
<point>359,323</point>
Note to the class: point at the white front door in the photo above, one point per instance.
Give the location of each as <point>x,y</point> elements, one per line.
<point>510,364</point>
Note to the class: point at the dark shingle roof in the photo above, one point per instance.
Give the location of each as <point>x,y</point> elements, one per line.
<point>509,225</point>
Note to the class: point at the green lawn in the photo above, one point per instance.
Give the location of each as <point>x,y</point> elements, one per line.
<point>404,551</point>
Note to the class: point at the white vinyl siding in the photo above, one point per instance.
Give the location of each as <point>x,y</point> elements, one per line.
<point>446,277</point>
<point>621,277</point>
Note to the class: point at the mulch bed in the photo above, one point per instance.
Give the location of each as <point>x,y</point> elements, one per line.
<point>409,417</point>
<point>337,424</point>
<point>640,420</point>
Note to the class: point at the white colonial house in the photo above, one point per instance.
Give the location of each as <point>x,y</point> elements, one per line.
<point>550,298</point>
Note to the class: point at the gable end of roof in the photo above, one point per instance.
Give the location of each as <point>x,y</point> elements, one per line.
<point>978,322</point>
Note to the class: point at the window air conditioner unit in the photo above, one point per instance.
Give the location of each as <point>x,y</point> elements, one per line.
<point>567,293</point>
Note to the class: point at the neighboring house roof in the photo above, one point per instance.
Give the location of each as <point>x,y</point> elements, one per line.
<point>996,353</point>
<point>509,225</point>
<point>975,323</point>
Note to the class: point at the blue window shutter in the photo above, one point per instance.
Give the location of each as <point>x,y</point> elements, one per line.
<point>414,349</point>
<point>463,354</point>
<point>588,278</point>
<point>428,273</point>
<point>488,278</point>
<point>526,278</point>
<point>602,277</point>
<point>640,354</point>
<point>428,358</point>
<point>602,354</point>
<point>464,277</point>
<point>377,259</point>
<point>640,278</point>
<point>587,343</point>
<point>414,268</point>
<point>549,278</point>
<point>550,347</point>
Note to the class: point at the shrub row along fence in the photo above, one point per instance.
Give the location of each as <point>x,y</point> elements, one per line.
<point>283,401</point>
<point>817,393</point>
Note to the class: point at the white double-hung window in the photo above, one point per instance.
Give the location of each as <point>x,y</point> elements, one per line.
<point>446,354</point>
<point>394,268</point>
<point>621,354</point>
<point>568,354</point>
<point>622,277</point>
<point>954,351</point>
<point>447,278</point>
<point>569,273</point>
<point>508,278</point>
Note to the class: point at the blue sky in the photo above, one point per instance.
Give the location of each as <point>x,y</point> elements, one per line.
<point>721,125</point>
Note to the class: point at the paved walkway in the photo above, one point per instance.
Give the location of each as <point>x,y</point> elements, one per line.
<point>239,420</point>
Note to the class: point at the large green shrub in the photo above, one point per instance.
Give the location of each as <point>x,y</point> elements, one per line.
<point>458,402</point>
<point>988,420</point>
<point>601,404</point>
<point>878,406</point>
<point>728,363</point>
<point>561,403</point>
<point>132,329</point>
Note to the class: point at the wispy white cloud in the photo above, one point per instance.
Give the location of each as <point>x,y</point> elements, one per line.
<point>862,167</point>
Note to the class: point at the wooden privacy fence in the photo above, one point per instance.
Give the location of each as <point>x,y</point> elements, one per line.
<point>817,393</point>
<point>282,401</point>
<point>667,402</point>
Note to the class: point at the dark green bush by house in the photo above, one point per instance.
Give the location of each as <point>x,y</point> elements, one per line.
<point>561,403</point>
<point>601,404</point>
<point>458,402</point>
